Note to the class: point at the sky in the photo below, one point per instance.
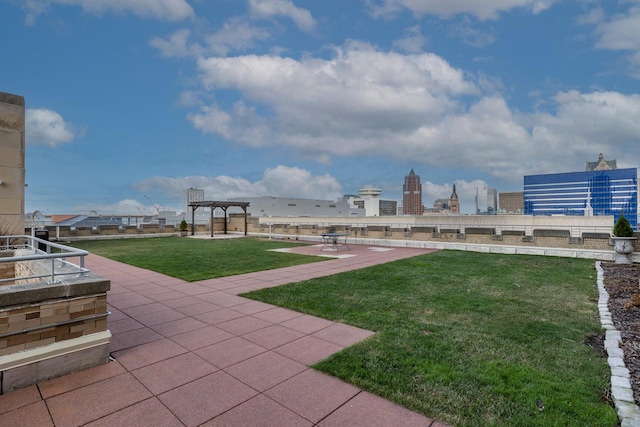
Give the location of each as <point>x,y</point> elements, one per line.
<point>129,102</point>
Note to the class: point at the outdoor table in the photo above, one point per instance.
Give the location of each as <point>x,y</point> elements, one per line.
<point>334,241</point>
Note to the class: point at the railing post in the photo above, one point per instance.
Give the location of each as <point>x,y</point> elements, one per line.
<point>53,270</point>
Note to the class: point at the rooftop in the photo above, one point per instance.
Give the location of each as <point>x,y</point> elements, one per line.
<point>187,353</point>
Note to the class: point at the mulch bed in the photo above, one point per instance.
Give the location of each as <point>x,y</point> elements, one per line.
<point>622,282</point>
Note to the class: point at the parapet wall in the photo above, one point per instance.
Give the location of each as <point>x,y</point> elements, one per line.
<point>589,233</point>
<point>565,232</point>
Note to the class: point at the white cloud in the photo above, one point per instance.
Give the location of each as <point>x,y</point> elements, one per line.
<point>235,35</point>
<point>176,45</point>
<point>622,32</point>
<point>123,207</point>
<point>359,94</point>
<point>165,10</point>
<point>365,102</point>
<point>212,119</point>
<point>619,33</point>
<point>242,124</point>
<point>284,181</point>
<point>481,9</point>
<point>281,181</point>
<point>588,123</point>
<point>413,41</point>
<point>594,16</point>
<point>472,36</point>
<point>46,127</point>
<point>270,8</point>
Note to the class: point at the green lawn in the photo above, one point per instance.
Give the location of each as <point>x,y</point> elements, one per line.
<point>198,259</point>
<point>467,338</point>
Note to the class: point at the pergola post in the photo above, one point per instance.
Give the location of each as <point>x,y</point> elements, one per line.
<point>193,219</point>
<point>225,220</point>
<point>212,223</point>
<point>244,208</point>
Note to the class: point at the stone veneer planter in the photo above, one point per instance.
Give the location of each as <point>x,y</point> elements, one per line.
<point>48,330</point>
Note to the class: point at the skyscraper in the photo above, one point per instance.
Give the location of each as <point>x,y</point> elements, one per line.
<point>486,201</point>
<point>412,197</point>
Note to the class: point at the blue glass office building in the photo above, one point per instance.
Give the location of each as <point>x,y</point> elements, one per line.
<point>611,191</point>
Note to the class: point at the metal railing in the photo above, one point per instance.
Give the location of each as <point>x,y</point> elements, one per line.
<point>53,257</point>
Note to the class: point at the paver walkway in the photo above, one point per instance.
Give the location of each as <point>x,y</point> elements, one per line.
<point>198,354</point>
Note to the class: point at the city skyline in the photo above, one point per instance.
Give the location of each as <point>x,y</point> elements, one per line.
<point>130,103</point>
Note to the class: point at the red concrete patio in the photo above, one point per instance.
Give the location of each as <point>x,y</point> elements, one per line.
<point>189,354</point>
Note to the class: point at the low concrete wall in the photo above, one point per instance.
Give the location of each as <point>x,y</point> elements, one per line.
<point>465,232</point>
<point>587,237</point>
<point>513,230</point>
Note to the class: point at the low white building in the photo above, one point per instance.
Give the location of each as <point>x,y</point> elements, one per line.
<point>293,207</point>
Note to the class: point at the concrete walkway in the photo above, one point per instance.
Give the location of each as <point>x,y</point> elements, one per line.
<point>189,354</point>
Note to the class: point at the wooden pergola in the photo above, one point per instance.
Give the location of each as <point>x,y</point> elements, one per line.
<point>213,205</point>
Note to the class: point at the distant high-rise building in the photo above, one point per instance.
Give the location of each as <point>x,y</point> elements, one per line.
<point>454,203</point>
<point>191,195</point>
<point>486,201</point>
<point>595,192</point>
<point>412,196</point>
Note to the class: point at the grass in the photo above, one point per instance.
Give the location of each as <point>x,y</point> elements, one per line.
<point>469,339</point>
<point>198,259</point>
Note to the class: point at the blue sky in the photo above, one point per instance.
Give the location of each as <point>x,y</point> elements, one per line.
<point>128,102</point>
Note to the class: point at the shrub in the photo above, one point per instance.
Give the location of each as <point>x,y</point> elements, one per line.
<point>183,225</point>
<point>622,228</point>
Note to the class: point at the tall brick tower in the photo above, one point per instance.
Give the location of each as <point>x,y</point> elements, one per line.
<point>412,198</point>
<point>454,203</point>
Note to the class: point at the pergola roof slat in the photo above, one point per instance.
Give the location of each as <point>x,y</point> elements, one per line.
<point>218,204</point>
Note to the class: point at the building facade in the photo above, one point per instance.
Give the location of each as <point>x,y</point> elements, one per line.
<point>412,195</point>
<point>191,195</point>
<point>511,202</point>
<point>601,164</point>
<point>596,192</point>
<point>12,164</point>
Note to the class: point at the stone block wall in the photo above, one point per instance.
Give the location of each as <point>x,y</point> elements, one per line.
<point>51,322</point>
<point>12,172</point>
<point>7,271</point>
